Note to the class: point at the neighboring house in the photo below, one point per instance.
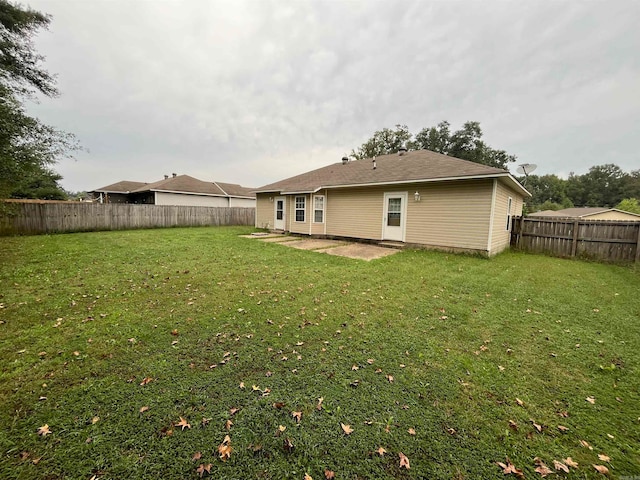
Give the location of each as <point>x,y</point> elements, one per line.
<point>418,197</point>
<point>588,213</point>
<point>177,190</point>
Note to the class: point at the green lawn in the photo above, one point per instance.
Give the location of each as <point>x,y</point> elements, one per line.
<point>455,361</point>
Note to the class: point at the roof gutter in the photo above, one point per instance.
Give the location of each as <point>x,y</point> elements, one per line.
<point>505,175</point>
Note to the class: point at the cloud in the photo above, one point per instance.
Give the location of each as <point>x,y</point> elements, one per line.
<point>251,92</point>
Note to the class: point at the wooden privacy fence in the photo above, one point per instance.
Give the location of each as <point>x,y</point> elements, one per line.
<point>603,240</point>
<point>55,217</point>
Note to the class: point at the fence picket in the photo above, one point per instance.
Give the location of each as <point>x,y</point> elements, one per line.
<point>32,218</point>
<point>604,240</point>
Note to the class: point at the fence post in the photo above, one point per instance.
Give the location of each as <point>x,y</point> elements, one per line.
<point>638,245</point>
<point>574,243</point>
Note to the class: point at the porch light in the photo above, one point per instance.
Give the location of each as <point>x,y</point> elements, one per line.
<point>416,196</point>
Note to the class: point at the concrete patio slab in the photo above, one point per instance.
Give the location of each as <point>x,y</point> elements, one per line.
<point>360,251</point>
<point>315,244</point>
<point>280,239</point>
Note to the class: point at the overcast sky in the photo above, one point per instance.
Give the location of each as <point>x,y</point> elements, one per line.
<point>252,92</point>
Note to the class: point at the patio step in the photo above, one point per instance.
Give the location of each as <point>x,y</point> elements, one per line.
<point>396,245</point>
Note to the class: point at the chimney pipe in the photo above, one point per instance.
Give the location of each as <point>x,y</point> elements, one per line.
<point>402,151</point>
<point>345,160</point>
<point>174,175</point>
<point>166,176</point>
<point>374,163</point>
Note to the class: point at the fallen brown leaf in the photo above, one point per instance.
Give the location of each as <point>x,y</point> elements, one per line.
<point>604,458</point>
<point>519,402</point>
<point>146,380</point>
<point>411,431</point>
<point>404,461</point>
<point>601,469</point>
<point>329,474</point>
<point>569,461</point>
<point>307,477</point>
<point>183,424</point>
<point>228,424</point>
<point>562,428</point>
<point>543,470</point>
<point>586,445</point>
<point>203,468</point>
<point>381,451</point>
<point>143,409</point>
<point>225,449</point>
<point>288,445</point>
<point>297,416</point>
<point>196,456</point>
<point>44,430</point>
<point>560,466</point>
<point>278,405</point>
<point>510,468</point>
<point>591,400</point>
<point>346,429</point>
<point>319,406</point>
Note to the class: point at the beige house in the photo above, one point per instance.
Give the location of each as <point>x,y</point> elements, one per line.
<point>589,213</point>
<point>418,197</point>
<point>177,190</point>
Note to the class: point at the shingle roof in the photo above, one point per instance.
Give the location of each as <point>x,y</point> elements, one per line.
<point>180,183</point>
<point>577,212</point>
<point>235,190</point>
<point>124,186</point>
<point>419,165</point>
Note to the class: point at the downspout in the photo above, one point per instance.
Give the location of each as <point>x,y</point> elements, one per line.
<point>493,211</point>
<point>326,203</point>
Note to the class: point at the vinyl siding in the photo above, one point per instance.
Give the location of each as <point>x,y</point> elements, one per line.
<point>163,198</point>
<point>242,202</point>
<point>265,211</point>
<point>356,212</point>
<point>450,214</point>
<point>500,236</point>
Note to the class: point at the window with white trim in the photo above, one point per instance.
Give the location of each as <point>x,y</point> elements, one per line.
<point>300,208</point>
<point>318,209</point>
<point>509,202</point>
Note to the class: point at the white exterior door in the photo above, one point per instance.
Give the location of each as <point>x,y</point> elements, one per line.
<point>395,213</point>
<point>279,213</point>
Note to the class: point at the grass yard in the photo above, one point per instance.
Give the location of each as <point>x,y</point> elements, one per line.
<point>134,354</point>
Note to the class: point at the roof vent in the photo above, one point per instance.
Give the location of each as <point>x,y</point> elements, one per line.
<point>174,175</point>
<point>402,151</point>
<point>166,176</point>
<point>374,163</point>
<point>345,160</point>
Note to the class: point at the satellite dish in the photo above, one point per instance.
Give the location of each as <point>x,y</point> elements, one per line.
<point>526,168</point>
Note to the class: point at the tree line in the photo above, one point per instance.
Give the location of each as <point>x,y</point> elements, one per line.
<point>602,186</point>
<point>28,148</point>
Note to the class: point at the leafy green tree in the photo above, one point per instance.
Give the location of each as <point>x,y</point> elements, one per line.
<point>27,147</point>
<point>384,142</point>
<point>465,143</point>
<point>629,205</point>
<point>601,186</point>
<point>549,192</point>
<point>631,187</point>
